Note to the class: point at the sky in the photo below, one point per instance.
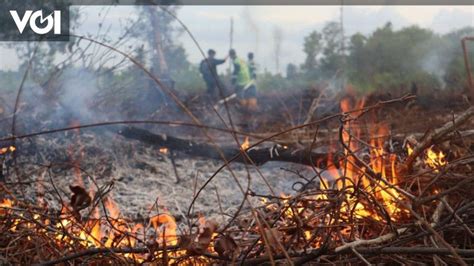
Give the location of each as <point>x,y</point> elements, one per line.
<point>256,28</point>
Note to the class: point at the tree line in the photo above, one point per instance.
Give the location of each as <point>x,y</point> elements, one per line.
<point>386,59</point>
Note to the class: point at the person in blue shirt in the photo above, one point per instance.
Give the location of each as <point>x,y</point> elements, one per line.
<point>208,69</point>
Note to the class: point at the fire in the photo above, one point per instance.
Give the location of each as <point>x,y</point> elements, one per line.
<point>95,234</point>
<point>165,228</point>
<point>435,160</point>
<point>4,150</point>
<point>110,230</point>
<point>246,144</point>
<point>91,234</point>
<point>164,150</point>
<point>112,208</point>
<point>359,187</point>
<point>5,204</point>
<point>117,232</point>
<point>409,150</point>
<point>350,175</point>
<point>432,159</point>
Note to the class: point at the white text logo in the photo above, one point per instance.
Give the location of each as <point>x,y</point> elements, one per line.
<point>53,21</point>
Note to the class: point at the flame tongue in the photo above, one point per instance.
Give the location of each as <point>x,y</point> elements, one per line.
<point>246,144</point>
<point>5,150</point>
<point>351,176</point>
<point>4,205</point>
<point>433,159</point>
<point>112,208</point>
<point>165,228</point>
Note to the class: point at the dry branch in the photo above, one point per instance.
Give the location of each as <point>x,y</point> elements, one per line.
<point>258,156</point>
<point>438,134</point>
<point>364,242</point>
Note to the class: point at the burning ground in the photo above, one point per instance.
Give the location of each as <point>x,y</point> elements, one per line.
<point>141,175</point>
<point>379,186</point>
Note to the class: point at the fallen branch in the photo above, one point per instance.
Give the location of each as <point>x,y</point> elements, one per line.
<point>369,251</point>
<point>258,156</point>
<point>415,251</point>
<point>94,251</point>
<point>436,135</point>
<point>387,237</point>
<point>364,242</point>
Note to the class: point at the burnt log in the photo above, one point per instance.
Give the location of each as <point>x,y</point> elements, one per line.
<point>256,155</point>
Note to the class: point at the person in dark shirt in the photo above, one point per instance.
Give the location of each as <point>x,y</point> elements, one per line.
<point>252,66</point>
<point>208,69</point>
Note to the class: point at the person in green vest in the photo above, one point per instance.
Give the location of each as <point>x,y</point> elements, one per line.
<point>243,82</point>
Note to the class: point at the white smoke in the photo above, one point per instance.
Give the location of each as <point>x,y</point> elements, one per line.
<point>435,63</point>
<point>78,89</point>
<point>253,25</point>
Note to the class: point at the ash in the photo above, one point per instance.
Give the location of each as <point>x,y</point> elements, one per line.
<point>142,177</point>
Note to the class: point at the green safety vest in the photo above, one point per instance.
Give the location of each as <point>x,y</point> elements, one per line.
<point>243,76</point>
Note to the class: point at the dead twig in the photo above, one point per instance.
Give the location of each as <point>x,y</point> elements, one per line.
<point>437,134</point>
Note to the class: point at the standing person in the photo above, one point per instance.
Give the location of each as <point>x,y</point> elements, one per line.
<point>208,69</point>
<point>252,102</point>
<point>252,66</point>
<point>244,85</point>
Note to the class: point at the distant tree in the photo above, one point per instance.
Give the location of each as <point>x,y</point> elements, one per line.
<point>388,59</point>
<point>277,42</point>
<point>333,56</point>
<point>291,71</point>
<point>312,48</point>
<point>391,59</point>
<point>177,59</point>
<point>268,81</point>
<point>155,28</point>
<point>358,56</point>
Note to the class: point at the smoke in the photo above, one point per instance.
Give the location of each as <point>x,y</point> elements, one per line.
<point>79,87</point>
<point>435,63</point>
<point>442,50</point>
<point>253,25</point>
<point>277,43</point>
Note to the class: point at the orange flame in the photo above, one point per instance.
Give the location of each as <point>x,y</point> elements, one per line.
<point>4,205</point>
<point>435,160</point>
<point>112,208</point>
<point>432,159</point>
<point>165,224</point>
<point>7,149</point>
<point>381,162</point>
<point>111,231</point>
<point>246,144</point>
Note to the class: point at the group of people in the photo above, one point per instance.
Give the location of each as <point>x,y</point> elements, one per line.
<point>243,78</point>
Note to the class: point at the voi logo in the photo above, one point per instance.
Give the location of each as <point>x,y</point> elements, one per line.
<point>53,21</point>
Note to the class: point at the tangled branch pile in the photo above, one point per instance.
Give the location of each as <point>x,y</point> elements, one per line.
<point>373,204</point>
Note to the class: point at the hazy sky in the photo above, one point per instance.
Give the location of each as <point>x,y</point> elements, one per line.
<point>255,27</point>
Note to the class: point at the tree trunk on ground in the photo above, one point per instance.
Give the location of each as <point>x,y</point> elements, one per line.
<point>257,155</point>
